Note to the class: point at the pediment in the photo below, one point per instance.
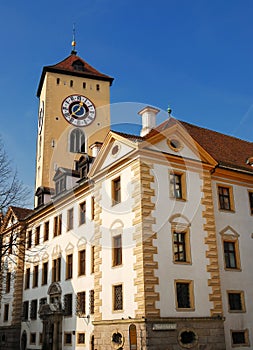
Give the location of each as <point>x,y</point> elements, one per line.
<point>176,141</point>
<point>114,149</point>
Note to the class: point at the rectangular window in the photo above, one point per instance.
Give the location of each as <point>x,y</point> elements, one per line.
<point>80,338</point>
<point>67,338</point>
<point>81,262</point>
<point>8,282</point>
<point>116,191</point>
<point>92,301</point>
<point>29,239</point>
<point>33,310</point>
<point>80,304</point>
<point>251,202</point>
<point>32,338</point>
<point>25,310</point>
<point>117,297</point>
<point>57,225</point>
<point>225,198</point>
<point>240,338</point>
<point>82,213</point>
<point>92,208</point>
<point>230,255</point>
<point>181,246</point>
<point>70,219</point>
<point>117,250</point>
<point>6,312</point>
<point>44,273</point>
<point>236,301</point>
<point>92,259</point>
<point>176,186</point>
<point>60,185</point>
<point>35,276</point>
<point>68,304</point>
<point>56,270</point>
<point>184,295</point>
<point>69,266</point>
<point>46,231</point>
<point>27,278</point>
<point>37,235</point>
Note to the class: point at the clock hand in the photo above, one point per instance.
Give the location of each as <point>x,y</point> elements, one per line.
<point>78,109</point>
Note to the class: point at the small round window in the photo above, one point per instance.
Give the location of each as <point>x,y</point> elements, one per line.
<point>187,338</point>
<point>115,150</point>
<point>175,145</point>
<point>117,340</point>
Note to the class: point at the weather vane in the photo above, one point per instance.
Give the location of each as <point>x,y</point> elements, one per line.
<point>73,44</point>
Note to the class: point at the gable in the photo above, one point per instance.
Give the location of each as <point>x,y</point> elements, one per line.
<point>176,141</point>
<point>114,149</point>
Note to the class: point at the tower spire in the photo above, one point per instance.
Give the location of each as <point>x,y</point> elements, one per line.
<point>73,44</point>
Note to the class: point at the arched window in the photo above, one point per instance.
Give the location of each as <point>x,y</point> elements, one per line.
<point>77,141</point>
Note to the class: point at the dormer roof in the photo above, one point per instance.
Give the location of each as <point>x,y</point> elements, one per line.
<point>75,66</point>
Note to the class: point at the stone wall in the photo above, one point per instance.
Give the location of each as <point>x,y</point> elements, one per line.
<point>162,334</point>
<point>10,338</point>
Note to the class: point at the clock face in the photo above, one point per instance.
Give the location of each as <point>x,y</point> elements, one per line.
<point>41,116</point>
<point>78,110</point>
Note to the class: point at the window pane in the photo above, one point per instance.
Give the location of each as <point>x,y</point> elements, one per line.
<point>183,295</point>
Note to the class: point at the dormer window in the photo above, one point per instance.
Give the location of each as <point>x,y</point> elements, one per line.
<point>78,65</point>
<point>60,185</point>
<point>77,141</point>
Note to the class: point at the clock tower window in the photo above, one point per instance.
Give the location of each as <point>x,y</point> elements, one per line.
<point>77,141</point>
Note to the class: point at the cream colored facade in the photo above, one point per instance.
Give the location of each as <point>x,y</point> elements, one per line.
<point>142,238</point>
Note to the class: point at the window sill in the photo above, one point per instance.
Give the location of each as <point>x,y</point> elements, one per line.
<point>238,269</point>
<point>232,211</point>
<point>185,309</point>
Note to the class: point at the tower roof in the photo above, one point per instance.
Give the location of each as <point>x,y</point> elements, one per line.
<point>75,66</point>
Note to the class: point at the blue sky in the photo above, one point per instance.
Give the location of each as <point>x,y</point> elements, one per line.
<point>195,55</point>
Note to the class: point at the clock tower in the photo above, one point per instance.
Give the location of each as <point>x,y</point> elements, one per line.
<point>74,113</point>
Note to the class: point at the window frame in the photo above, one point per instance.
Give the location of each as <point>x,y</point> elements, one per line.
<point>246,336</point>
<point>82,262</point>
<point>116,190</point>
<point>230,197</point>
<point>242,300</point>
<point>172,192</point>
<point>56,269</point>
<point>82,213</point>
<point>69,266</point>
<point>114,301</point>
<point>117,252</point>
<point>65,338</point>
<point>6,312</point>
<point>190,283</point>
<point>250,196</point>
<point>35,276</point>
<point>81,303</point>
<point>27,278</point>
<point>37,236</point>
<point>235,242</point>
<point>46,231</point>
<point>70,219</point>
<point>77,338</point>
<point>70,309</point>
<point>44,274</point>
<point>187,246</point>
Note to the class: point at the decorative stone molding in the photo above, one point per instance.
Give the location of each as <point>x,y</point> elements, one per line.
<point>144,237</point>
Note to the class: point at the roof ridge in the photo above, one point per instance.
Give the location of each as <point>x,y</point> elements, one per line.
<point>214,131</point>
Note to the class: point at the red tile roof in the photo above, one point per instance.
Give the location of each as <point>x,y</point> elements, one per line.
<point>21,213</point>
<point>226,150</point>
<point>67,66</point>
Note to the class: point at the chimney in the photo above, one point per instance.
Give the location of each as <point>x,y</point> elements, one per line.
<point>95,148</point>
<point>148,115</point>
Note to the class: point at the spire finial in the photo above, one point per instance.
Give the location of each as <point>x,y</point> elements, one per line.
<point>169,110</point>
<point>73,44</point>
